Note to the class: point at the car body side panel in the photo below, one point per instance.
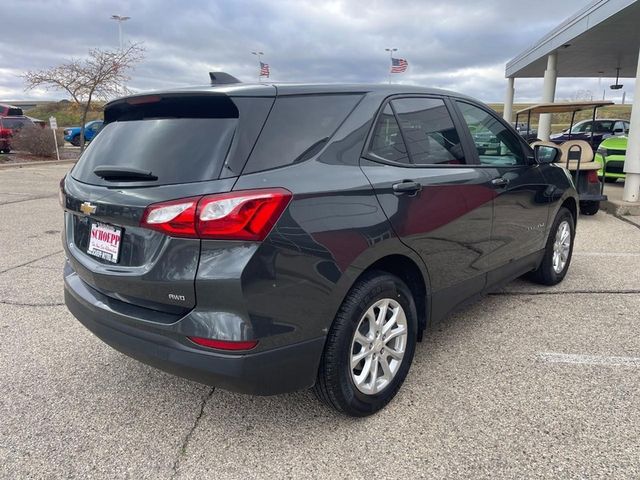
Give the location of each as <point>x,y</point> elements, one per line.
<point>520,213</point>
<point>448,224</point>
<point>333,229</point>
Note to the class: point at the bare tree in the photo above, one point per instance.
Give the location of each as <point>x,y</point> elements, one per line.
<point>103,75</point>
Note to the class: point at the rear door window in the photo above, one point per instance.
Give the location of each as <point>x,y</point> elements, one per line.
<point>297,128</point>
<point>178,140</point>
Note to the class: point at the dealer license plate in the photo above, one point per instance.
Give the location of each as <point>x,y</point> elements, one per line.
<point>104,242</point>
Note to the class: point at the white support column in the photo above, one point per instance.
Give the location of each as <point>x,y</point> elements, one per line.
<point>632,158</point>
<point>508,100</point>
<point>548,95</point>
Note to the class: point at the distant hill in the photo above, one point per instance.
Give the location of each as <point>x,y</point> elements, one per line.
<point>67,114</point>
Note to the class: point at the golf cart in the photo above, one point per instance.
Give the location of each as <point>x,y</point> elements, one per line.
<point>576,155</point>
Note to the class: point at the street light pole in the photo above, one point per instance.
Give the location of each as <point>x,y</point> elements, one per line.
<point>390,50</point>
<point>259,55</point>
<point>120,19</point>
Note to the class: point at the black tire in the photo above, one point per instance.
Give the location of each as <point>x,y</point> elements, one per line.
<point>589,208</point>
<point>75,141</point>
<point>610,179</point>
<point>545,274</point>
<point>335,385</point>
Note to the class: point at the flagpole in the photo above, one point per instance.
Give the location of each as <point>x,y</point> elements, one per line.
<point>259,55</point>
<point>390,50</point>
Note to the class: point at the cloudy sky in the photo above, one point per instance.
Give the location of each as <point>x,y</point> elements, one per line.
<point>460,45</point>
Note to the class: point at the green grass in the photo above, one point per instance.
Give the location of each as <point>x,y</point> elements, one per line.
<point>560,121</point>
<point>67,114</point>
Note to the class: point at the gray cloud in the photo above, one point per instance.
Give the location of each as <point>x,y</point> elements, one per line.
<point>461,45</point>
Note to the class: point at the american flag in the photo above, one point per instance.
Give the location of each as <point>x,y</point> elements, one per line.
<point>264,69</point>
<point>398,65</point>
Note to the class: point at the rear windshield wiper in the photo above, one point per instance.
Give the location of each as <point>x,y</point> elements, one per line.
<point>118,173</point>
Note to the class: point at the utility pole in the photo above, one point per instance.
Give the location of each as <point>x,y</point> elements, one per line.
<point>120,19</point>
<point>390,50</point>
<point>259,55</point>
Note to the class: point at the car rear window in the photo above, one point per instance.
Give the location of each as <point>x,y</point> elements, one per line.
<point>298,127</point>
<point>178,140</point>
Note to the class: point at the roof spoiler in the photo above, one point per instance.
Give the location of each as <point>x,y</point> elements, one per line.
<point>221,78</point>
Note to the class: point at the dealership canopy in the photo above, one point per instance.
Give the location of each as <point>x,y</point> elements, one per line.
<point>602,39</point>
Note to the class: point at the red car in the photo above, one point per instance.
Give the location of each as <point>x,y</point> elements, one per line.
<point>8,126</point>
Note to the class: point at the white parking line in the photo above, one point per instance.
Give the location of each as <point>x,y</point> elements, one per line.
<point>590,359</point>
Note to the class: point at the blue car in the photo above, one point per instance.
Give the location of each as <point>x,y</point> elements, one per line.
<point>91,129</point>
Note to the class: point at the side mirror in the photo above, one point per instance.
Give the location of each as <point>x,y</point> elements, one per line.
<point>546,153</point>
<point>618,130</point>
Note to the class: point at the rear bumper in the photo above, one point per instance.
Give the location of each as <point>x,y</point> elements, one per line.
<point>279,370</point>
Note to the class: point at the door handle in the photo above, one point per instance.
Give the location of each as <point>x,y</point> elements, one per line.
<point>500,181</point>
<point>406,186</point>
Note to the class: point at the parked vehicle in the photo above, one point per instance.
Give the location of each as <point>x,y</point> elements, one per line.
<point>271,238</point>
<point>38,122</point>
<point>8,127</point>
<point>91,129</point>
<point>611,154</point>
<point>577,153</point>
<point>530,136</point>
<point>604,128</point>
<point>10,110</point>
<point>485,141</point>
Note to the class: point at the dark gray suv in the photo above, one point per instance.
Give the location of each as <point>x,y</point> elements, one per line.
<point>271,238</point>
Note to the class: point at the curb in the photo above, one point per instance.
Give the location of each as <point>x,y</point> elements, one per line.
<point>620,208</point>
<point>35,164</point>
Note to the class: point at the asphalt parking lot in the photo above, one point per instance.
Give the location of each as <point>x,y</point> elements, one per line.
<point>529,382</point>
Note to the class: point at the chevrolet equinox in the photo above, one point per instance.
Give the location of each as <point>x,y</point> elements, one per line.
<point>270,238</point>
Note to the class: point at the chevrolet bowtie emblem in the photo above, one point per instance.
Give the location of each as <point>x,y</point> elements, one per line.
<point>87,208</point>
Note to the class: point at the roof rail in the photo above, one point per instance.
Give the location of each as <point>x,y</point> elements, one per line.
<point>220,78</point>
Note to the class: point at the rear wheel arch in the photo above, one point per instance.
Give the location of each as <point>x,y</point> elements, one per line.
<point>412,272</point>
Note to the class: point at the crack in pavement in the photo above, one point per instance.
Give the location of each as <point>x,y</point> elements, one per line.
<point>187,438</point>
<point>29,199</point>
<point>31,261</point>
<point>572,292</point>
<point>21,304</point>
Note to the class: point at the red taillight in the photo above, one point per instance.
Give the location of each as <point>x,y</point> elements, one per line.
<point>248,215</point>
<point>592,176</point>
<point>176,218</point>
<point>5,132</point>
<point>244,215</point>
<point>224,344</point>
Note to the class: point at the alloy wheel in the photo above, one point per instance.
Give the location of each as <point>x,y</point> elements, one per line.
<point>378,346</point>
<point>561,246</point>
